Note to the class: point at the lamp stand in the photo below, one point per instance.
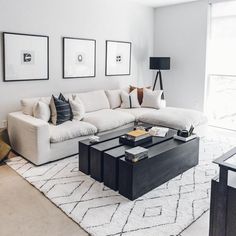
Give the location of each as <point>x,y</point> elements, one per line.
<point>161,84</point>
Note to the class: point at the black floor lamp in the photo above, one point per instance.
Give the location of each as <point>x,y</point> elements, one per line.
<point>159,63</point>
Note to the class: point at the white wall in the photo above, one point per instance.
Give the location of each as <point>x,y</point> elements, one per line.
<point>181,33</point>
<point>101,20</point>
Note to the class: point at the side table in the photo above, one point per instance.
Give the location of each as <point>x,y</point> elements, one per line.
<point>223,197</point>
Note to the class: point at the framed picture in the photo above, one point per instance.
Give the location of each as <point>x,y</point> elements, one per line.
<point>79,58</point>
<point>118,58</point>
<point>25,57</point>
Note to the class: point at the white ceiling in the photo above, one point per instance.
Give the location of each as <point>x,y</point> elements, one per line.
<point>160,3</point>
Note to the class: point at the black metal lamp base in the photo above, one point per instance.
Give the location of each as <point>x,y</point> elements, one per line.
<point>161,84</point>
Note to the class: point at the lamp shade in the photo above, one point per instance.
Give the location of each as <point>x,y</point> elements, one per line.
<point>159,63</point>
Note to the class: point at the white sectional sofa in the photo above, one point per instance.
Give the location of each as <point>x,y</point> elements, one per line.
<point>41,142</point>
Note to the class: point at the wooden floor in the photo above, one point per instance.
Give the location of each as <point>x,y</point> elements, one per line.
<point>24,211</point>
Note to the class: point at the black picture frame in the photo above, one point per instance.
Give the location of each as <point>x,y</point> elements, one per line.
<point>106,58</point>
<point>64,61</point>
<point>5,53</point>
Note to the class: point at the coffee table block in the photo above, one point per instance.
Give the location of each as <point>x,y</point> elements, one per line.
<point>111,166</point>
<point>84,156</point>
<point>111,159</point>
<point>85,145</point>
<point>165,161</point>
<point>96,157</point>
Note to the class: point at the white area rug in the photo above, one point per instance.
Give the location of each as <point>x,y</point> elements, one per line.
<point>165,211</point>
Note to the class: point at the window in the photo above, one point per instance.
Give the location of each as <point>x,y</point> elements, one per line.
<point>221,97</point>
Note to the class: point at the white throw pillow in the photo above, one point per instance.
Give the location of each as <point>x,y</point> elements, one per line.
<point>129,100</point>
<point>41,110</point>
<point>77,108</point>
<point>114,98</point>
<point>151,98</point>
<point>27,105</point>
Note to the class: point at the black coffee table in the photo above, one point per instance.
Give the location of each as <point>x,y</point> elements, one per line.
<point>85,146</point>
<point>167,158</point>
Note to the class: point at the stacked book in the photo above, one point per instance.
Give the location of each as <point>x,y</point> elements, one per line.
<point>136,137</point>
<point>185,139</point>
<point>137,134</point>
<point>136,154</point>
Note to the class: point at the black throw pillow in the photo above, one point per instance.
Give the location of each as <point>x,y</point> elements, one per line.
<point>61,97</point>
<point>60,111</point>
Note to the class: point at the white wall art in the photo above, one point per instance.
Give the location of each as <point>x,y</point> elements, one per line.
<point>118,58</point>
<point>79,58</point>
<point>25,57</point>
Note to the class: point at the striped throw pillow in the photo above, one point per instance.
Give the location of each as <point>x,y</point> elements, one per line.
<point>60,111</point>
<point>61,97</point>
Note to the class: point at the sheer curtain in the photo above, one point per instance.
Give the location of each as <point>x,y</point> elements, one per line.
<point>221,99</point>
<point>222,44</point>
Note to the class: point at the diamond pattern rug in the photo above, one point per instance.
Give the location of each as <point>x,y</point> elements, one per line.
<point>164,211</point>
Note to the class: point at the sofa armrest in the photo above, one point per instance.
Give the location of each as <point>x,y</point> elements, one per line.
<point>29,137</point>
<point>163,103</point>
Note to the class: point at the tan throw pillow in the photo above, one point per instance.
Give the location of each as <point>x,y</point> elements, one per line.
<point>53,111</point>
<point>152,98</point>
<point>140,92</point>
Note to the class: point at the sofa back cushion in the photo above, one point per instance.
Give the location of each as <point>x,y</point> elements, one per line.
<point>94,101</point>
<point>114,97</point>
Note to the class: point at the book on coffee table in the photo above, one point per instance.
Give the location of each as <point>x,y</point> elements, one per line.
<point>135,138</point>
<point>136,154</point>
<point>193,136</point>
<point>158,131</point>
<point>137,134</point>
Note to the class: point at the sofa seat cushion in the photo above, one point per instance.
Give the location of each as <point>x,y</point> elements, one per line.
<point>136,112</point>
<point>175,118</point>
<point>108,119</point>
<point>69,130</point>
